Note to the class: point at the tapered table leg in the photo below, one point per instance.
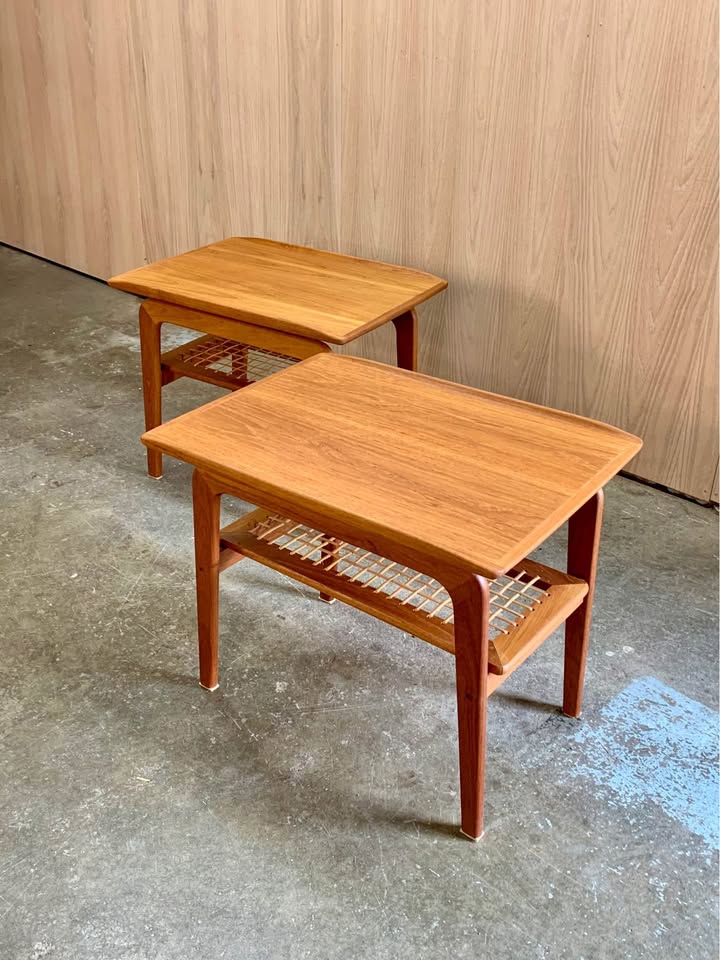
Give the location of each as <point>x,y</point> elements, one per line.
<point>206,516</point>
<point>583,543</point>
<point>406,333</point>
<point>152,384</point>
<point>471,608</point>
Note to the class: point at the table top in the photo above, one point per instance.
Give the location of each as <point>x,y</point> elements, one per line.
<point>457,475</point>
<point>313,293</point>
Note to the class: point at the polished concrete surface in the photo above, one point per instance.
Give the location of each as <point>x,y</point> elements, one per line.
<point>309,807</point>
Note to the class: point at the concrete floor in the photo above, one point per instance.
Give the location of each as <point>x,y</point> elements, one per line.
<point>308,808</point>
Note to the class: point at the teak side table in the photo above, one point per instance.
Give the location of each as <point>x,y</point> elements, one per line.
<point>415,500</point>
<point>261,306</point>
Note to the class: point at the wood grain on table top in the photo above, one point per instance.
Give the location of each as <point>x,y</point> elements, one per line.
<point>327,296</point>
<point>460,475</point>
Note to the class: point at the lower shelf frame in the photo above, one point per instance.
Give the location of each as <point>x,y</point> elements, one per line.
<point>528,604</point>
<point>222,362</point>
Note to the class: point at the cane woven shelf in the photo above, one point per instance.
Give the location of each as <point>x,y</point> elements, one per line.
<point>225,363</point>
<point>526,604</point>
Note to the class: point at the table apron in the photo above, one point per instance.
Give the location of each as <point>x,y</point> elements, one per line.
<point>448,573</point>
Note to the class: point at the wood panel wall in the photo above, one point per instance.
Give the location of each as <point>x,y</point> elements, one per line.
<point>556,160</point>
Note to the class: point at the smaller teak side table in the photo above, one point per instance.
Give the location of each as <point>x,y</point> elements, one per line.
<point>415,500</point>
<point>261,306</point>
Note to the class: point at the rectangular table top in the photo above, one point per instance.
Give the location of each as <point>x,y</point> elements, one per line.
<point>313,293</point>
<point>454,474</point>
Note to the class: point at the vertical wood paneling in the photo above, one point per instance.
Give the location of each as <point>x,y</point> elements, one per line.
<point>402,68</point>
<point>179,85</point>
<point>235,104</point>
<point>556,160</point>
<point>68,157</point>
<point>573,205</point>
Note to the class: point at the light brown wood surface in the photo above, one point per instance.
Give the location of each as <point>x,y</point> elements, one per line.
<point>555,160</point>
<point>467,478</point>
<point>325,296</point>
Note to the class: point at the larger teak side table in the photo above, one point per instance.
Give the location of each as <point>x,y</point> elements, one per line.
<point>415,500</point>
<point>261,306</point>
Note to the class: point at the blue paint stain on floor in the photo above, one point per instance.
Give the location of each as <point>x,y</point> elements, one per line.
<point>652,743</point>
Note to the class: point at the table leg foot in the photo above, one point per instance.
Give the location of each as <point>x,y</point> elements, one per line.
<point>583,544</point>
<point>154,465</point>
<point>474,839</point>
<point>326,598</point>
